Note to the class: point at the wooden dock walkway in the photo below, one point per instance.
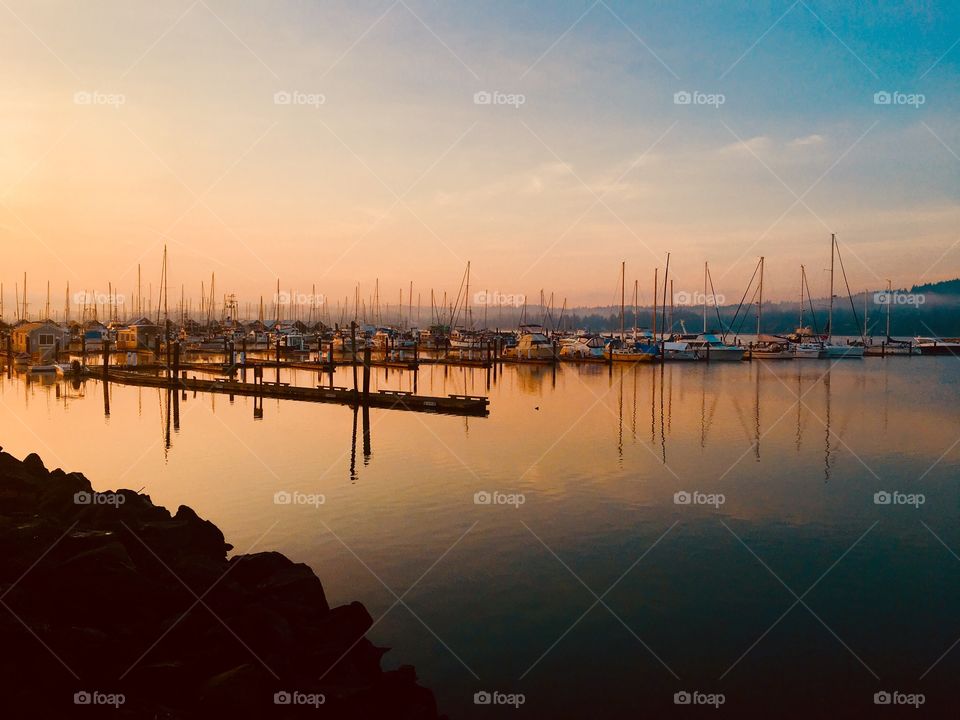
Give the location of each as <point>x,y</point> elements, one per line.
<point>386,399</point>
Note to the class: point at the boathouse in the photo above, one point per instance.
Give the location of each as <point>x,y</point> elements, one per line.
<point>40,339</point>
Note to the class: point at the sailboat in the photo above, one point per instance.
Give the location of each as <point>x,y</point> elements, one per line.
<point>891,346</point>
<point>768,347</point>
<point>633,350</point>
<point>705,345</point>
<point>806,343</point>
<point>831,350</point>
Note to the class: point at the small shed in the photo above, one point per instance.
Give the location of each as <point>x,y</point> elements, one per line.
<point>40,339</point>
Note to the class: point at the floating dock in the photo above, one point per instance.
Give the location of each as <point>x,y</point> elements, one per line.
<point>386,399</point>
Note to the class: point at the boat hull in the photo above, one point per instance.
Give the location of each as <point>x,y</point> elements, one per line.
<point>837,352</point>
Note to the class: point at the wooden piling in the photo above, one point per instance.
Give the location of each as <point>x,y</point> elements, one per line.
<point>366,375</point>
<point>106,358</point>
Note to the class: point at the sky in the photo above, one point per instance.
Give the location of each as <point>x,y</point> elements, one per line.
<point>334,143</point>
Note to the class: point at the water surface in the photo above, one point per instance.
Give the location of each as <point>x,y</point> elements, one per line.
<point>599,595</point>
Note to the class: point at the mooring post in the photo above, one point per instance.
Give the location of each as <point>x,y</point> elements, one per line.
<point>278,359</point>
<point>156,348</point>
<point>176,361</point>
<point>83,348</point>
<point>106,357</point>
<point>366,374</point>
<point>353,351</point>
<point>750,352</point>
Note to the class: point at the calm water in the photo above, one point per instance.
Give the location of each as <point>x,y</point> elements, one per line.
<point>505,597</point>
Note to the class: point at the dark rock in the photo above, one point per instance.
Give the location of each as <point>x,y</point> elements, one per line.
<point>125,590</point>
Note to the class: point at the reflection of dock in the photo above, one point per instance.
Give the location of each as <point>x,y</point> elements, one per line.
<point>386,399</point>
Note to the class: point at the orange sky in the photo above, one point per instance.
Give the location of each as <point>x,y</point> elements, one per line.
<point>130,126</point>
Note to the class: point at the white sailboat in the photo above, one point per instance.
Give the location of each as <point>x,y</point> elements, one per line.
<point>768,347</point>
<point>832,350</point>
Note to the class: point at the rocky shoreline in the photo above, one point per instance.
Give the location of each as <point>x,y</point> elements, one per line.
<point>108,600</point>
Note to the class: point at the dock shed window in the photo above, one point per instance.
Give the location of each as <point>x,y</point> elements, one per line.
<point>45,339</point>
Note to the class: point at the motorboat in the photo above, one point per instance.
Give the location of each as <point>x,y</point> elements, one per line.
<point>531,346</point>
<point>712,347</point>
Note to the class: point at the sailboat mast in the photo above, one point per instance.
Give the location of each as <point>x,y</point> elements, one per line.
<point>655,286</point>
<point>704,298</point>
<point>833,242</point>
<point>889,288</point>
<point>803,273</point>
<point>623,278</point>
<point>760,298</point>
